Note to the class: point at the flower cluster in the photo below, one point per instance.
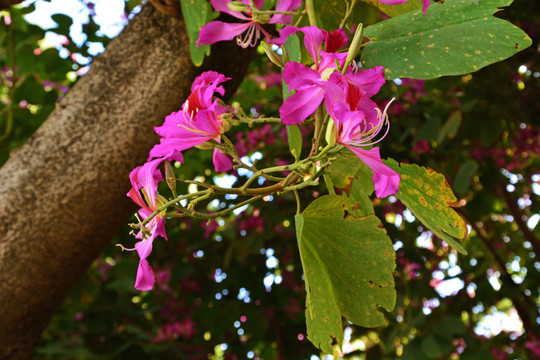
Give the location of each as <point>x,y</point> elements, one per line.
<point>241,9</point>
<point>199,121</point>
<point>357,119</point>
<point>353,120</point>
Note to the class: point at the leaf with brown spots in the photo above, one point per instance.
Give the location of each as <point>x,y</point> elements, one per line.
<point>427,194</point>
<point>455,37</point>
<point>348,263</point>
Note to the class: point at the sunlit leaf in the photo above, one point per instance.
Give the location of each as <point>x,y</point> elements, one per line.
<point>348,263</point>
<point>456,37</point>
<point>351,175</point>
<point>427,194</point>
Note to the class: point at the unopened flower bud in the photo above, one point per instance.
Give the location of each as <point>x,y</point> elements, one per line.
<point>272,55</point>
<point>170,176</point>
<point>237,6</point>
<point>331,133</point>
<point>355,46</point>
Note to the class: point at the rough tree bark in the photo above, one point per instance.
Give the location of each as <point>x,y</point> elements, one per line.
<point>63,194</point>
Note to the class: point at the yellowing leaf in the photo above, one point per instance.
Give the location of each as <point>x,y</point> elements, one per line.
<point>427,194</point>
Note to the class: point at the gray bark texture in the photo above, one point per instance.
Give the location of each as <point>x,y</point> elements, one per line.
<point>63,194</point>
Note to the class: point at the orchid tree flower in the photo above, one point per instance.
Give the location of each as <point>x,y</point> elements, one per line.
<point>306,81</point>
<point>199,121</point>
<point>347,102</point>
<point>243,9</point>
<point>396,2</point>
<point>145,179</point>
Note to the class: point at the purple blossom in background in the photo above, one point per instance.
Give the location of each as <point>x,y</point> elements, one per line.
<point>220,31</point>
<point>197,122</point>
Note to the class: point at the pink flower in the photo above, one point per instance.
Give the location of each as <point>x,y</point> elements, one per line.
<point>198,121</point>
<point>359,121</point>
<point>219,31</point>
<point>145,178</point>
<point>395,2</point>
<point>307,81</point>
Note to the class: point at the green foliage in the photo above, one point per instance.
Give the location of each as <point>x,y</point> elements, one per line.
<point>488,119</point>
<point>295,141</point>
<point>456,37</point>
<point>427,194</point>
<point>351,175</point>
<point>196,14</point>
<point>396,10</point>
<point>348,264</point>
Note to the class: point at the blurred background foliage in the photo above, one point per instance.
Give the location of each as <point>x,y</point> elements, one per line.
<point>233,288</point>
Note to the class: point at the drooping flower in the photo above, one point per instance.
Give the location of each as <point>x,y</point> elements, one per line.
<point>395,2</point>
<point>359,122</point>
<point>145,179</point>
<point>199,120</point>
<point>220,31</point>
<point>307,81</point>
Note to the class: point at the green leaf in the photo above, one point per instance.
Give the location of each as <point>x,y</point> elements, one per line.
<point>427,194</point>
<point>348,167</point>
<point>431,347</point>
<point>292,45</point>
<point>429,129</point>
<point>354,177</point>
<point>450,127</point>
<point>396,10</point>
<point>456,37</point>
<point>348,264</point>
<point>295,141</point>
<point>64,23</point>
<point>196,14</point>
<point>464,175</point>
<point>448,327</point>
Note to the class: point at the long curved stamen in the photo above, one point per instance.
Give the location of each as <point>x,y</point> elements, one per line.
<point>251,36</point>
<point>366,138</point>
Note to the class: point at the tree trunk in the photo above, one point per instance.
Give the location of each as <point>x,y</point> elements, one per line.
<point>63,194</point>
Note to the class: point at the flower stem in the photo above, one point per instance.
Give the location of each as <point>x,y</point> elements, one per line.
<point>310,8</point>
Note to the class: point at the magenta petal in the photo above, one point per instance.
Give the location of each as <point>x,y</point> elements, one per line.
<point>149,177</point>
<point>208,78</point>
<point>336,39</point>
<point>221,6</point>
<point>170,148</point>
<point>288,5</point>
<point>222,162</point>
<point>313,40</point>
<point>426,5</point>
<point>369,107</point>
<point>298,77</point>
<point>285,5</point>
<point>284,34</point>
<point>219,31</point>
<point>369,80</point>
<point>145,276</point>
<point>300,105</point>
<point>385,179</point>
<point>144,248</point>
